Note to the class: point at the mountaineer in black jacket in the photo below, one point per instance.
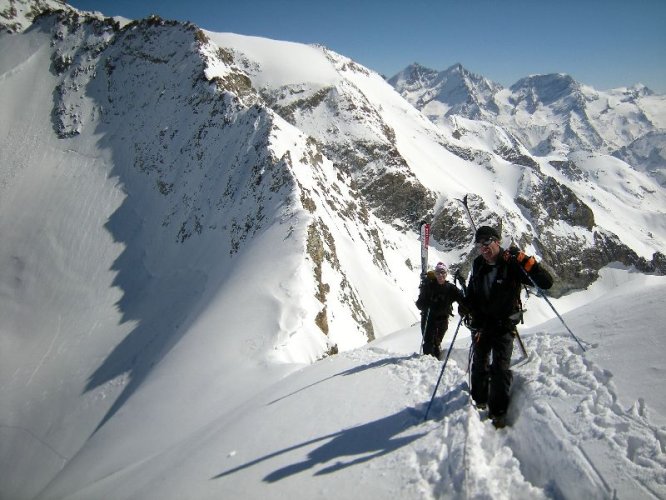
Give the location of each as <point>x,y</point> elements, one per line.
<point>436,298</point>
<point>493,304</point>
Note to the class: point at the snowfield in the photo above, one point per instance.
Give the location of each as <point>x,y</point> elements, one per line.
<point>157,306</point>
<point>351,426</point>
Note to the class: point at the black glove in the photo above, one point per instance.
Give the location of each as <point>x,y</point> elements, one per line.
<point>515,254</point>
<point>424,301</point>
<point>463,310</point>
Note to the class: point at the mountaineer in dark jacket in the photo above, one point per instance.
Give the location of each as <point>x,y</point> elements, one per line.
<point>493,304</point>
<point>436,298</point>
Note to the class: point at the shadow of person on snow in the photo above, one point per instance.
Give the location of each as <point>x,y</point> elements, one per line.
<point>347,447</point>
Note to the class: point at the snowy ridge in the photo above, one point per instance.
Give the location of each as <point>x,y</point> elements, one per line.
<point>152,232</point>
<point>266,180</point>
<point>405,165</point>
<point>195,223</point>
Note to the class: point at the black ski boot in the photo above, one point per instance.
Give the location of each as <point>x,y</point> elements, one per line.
<point>499,421</point>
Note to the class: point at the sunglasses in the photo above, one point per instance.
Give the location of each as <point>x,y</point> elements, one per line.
<point>485,243</point>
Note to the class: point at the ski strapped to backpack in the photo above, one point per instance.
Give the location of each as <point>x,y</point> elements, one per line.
<point>424,232</point>
<point>424,237</point>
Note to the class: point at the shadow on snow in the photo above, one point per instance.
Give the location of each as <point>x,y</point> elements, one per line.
<point>359,444</point>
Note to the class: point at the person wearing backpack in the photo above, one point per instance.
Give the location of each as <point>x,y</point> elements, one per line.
<point>493,305</point>
<point>435,301</point>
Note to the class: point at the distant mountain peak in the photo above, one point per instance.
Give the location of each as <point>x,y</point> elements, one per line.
<point>465,92</point>
<point>547,88</point>
<point>539,79</point>
<point>414,75</point>
<point>549,113</point>
<point>459,68</point>
<point>417,72</point>
<point>637,90</point>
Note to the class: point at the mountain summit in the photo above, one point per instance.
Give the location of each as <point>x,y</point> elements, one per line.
<point>549,114</point>
<point>459,90</point>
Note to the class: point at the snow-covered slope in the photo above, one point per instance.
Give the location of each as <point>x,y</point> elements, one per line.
<point>188,218</point>
<point>582,426</point>
<point>139,199</point>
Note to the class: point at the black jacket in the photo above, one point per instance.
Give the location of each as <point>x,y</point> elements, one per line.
<point>438,298</point>
<point>500,305</point>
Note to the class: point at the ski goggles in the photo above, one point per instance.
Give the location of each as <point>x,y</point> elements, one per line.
<point>484,243</point>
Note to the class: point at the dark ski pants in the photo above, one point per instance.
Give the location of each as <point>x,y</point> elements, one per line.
<point>432,340</point>
<point>491,381</point>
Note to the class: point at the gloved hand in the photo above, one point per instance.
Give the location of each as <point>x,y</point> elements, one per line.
<point>463,310</point>
<point>515,254</point>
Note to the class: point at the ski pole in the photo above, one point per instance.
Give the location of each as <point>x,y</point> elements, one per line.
<point>425,417</point>
<point>521,345</point>
<point>469,214</point>
<point>543,294</point>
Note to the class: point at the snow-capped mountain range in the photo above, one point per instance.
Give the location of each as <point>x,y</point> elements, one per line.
<point>549,114</point>
<point>181,209</point>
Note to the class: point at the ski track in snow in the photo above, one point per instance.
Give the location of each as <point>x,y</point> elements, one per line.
<point>567,436</point>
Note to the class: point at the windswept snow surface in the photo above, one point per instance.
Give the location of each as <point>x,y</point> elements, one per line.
<point>351,425</point>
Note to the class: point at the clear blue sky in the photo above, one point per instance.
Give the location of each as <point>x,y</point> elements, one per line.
<point>603,43</point>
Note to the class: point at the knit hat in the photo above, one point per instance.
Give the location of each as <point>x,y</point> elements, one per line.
<point>486,232</point>
<point>441,268</point>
